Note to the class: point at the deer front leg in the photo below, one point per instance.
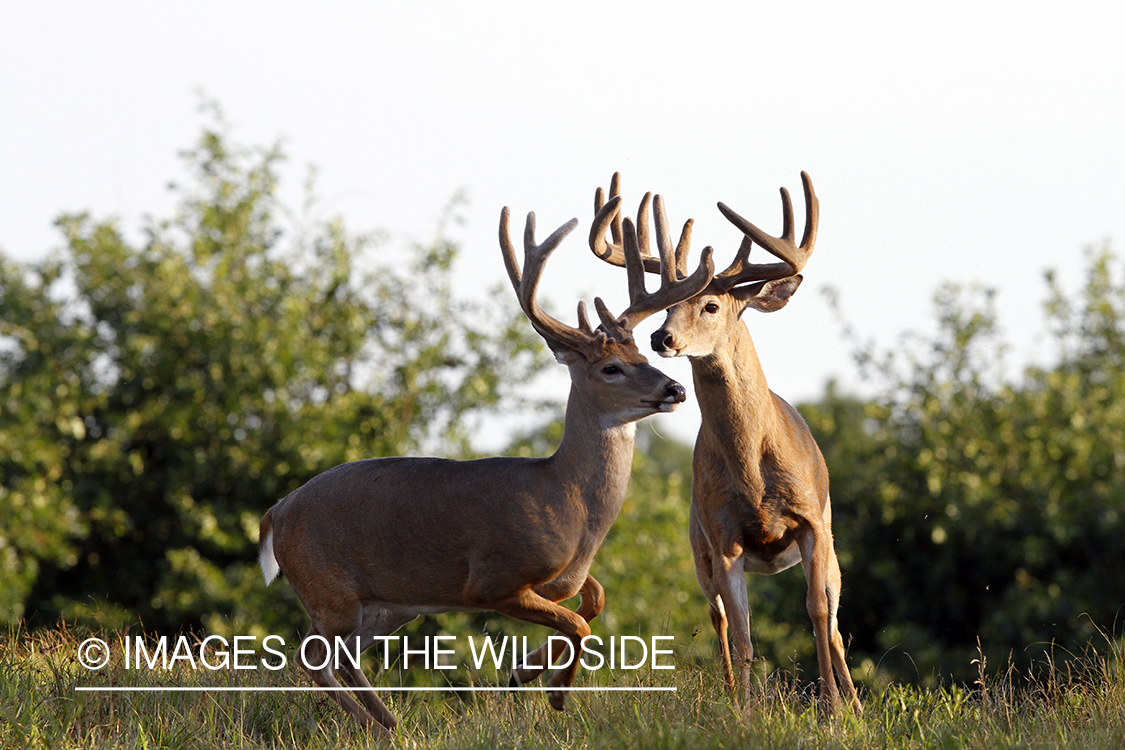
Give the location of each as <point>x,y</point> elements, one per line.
<point>717,612</point>
<point>705,574</point>
<point>593,600</point>
<point>531,607</point>
<point>730,582</point>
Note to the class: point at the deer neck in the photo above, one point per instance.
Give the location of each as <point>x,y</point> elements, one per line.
<point>594,458</point>
<point>736,405</point>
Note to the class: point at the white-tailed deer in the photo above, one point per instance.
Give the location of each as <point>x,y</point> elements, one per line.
<point>759,497</point>
<point>370,545</point>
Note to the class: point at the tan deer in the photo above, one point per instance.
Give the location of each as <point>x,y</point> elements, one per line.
<point>759,497</point>
<point>370,545</point>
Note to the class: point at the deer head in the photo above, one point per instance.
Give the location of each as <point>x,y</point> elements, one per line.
<point>605,364</point>
<point>696,326</point>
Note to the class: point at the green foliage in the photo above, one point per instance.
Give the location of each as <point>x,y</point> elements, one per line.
<point>645,563</point>
<point>156,399</point>
<point>969,506</point>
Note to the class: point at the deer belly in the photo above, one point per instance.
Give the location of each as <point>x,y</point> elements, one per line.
<point>787,558</point>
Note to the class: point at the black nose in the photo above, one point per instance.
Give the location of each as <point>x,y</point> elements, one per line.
<point>677,392</point>
<point>661,340</point>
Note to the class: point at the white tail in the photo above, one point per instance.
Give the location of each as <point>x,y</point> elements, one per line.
<point>266,558</point>
<point>759,497</point>
<point>370,545</point>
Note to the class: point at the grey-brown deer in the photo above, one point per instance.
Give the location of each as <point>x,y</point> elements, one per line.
<point>370,545</point>
<point>760,500</point>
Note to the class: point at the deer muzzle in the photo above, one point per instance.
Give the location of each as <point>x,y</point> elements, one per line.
<point>674,395</point>
<point>663,344</point>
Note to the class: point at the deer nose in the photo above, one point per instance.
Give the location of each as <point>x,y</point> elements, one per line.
<point>661,341</point>
<point>677,392</point>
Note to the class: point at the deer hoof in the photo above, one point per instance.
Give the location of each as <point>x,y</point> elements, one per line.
<point>557,699</point>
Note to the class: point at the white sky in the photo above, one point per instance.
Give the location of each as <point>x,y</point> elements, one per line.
<point>972,141</point>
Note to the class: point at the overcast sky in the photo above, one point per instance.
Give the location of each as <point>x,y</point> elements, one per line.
<point>971,141</point>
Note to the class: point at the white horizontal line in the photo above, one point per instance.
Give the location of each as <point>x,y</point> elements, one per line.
<point>451,689</point>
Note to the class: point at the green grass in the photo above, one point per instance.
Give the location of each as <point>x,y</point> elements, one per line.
<point>1056,707</point>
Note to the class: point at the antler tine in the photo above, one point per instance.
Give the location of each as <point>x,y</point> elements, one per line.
<point>525,284</point>
<point>784,247</point>
<point>607,215</point>
<point>583,321</point>
<point>669,269</point>
<point>672,290</point>
<point>615,192</point>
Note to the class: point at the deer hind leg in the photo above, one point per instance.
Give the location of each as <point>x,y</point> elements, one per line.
<point>377,622</point>
<point>843,676</point>
<point>593,600</point>
<point>318,659</point>
<point>531,607</point>
<point>817,560</point>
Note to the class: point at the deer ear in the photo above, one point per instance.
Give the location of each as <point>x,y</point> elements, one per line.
<point>564,355</point>
<point>768,296</point>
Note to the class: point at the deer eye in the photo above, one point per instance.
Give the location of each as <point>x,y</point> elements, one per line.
<point>611,369</point>
<point>711,307</point>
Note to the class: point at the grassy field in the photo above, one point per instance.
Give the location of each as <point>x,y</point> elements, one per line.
<point>39,707</point>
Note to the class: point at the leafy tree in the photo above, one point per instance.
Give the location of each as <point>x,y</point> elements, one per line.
<point>968,506</point>
<point>156,399</point>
